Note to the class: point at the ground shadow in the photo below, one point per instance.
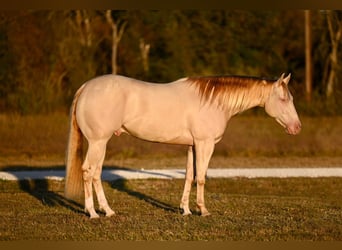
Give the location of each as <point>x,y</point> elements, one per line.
<point>121,185</point>
<point>40,188</point>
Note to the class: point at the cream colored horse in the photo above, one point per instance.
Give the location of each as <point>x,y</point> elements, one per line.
<point>191,111</point>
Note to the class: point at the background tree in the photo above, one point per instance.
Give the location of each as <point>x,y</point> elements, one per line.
<point>118,27</point>
<point>144,49</point>
<point>334,21</point>
<point>46,55</point>
<point>308,57</point>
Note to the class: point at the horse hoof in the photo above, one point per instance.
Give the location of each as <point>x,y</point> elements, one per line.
<point>94,216</point>
<point>186,213</point>
<point>205,214</point>
<point>110,214</point>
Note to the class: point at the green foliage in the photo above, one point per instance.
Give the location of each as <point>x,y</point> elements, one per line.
<point>44,56</point>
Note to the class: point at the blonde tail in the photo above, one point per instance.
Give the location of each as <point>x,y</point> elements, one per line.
<point>74,156</point>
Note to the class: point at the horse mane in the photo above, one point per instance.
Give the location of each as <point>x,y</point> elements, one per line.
<point>234,91</point>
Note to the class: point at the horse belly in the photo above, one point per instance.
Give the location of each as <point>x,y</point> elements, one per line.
<point>163,130</point>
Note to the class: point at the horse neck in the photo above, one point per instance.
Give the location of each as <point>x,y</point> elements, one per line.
<point>248,98</point>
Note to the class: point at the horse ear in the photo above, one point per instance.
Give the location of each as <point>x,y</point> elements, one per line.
<point>280,80</point>
<point>287,79</point>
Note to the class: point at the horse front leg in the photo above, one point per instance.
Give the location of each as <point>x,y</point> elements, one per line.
<point>204,151</point>
<point>188,182</point>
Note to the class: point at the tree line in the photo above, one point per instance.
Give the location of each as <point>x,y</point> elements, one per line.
<point>46,55</point>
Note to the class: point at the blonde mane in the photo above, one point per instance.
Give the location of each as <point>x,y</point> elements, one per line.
<point>233,91</point>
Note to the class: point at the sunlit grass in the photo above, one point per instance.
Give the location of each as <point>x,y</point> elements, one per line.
<point>242,209</point>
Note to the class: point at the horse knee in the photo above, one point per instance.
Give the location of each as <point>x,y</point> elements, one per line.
<point>87,176</point>
<point>189,179</point>
<point>96,178</point>
<point>88,173</point>
<point>200,181</point>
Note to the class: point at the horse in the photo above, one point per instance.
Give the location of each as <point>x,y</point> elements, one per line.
<point>192,111</point>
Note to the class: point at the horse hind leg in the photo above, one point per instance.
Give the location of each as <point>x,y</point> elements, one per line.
<point>92,167</point>
<point>101,198</point>
<point>88,172</point>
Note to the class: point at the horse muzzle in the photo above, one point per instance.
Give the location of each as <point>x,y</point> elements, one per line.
<point>294,128</point>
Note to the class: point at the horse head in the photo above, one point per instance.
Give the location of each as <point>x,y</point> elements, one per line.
<point>280,106</point>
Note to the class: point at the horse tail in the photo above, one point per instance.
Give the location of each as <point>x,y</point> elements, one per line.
<point>74,156</point>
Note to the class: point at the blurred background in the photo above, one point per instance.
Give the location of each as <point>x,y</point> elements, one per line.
<point>46,55</point>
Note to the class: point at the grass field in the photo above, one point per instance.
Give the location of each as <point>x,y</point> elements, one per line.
<point>242,209</point>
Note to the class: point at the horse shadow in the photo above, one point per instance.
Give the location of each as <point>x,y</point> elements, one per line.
<point>41,189</point>
<point>120,184</point>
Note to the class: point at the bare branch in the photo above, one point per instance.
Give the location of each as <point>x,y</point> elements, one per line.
<point>109,17</point>
<point>121,30</point>
<point>116,37</point>
<point>331,31</point>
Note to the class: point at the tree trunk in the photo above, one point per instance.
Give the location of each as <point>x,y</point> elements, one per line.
<point>83,23</point>
<point>335,37</point>
<point>144,50</point>
<point>117,31</point>
<point>332,73</point>
<point>308,58</point>
<point>114,48</point>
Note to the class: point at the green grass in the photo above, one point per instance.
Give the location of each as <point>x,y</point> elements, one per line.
<point>242,209</point>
